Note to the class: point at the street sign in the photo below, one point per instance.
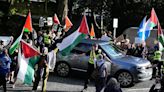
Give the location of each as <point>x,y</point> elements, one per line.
<point>115,23</point>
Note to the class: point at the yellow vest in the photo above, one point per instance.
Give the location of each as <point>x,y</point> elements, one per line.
<point>157,55</point>
<point>46,39</point>
<point>92,57</point>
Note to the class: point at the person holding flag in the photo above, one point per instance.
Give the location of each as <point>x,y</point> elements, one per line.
<point>42,67</point>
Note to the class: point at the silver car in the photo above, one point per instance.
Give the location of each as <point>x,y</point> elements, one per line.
<point>127,69</point>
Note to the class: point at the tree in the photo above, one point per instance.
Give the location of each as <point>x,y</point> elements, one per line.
<point>62,10</point>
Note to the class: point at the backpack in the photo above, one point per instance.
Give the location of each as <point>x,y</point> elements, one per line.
<point>96,73</point>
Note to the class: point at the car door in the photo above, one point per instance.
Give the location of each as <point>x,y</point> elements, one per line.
<point>74,59</point>
<point>80,56</point>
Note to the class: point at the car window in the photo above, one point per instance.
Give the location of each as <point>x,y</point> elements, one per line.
<point>83,47</point>
<point>77,51</point>
<point>111,51</point>
<point>5,39</point>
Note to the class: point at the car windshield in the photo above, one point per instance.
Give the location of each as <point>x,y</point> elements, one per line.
<point>112,51</point>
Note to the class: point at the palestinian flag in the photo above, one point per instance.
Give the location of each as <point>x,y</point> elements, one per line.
<point>92,32</point>
<point>73,39</point>
<point>27,28</point>
<point>56,20</point>
<point>15,45</point>
<point>153,19</point>
<point>56,23</point>
<point>160,37</point>
<point>28,24</point>
<point>27,63</point>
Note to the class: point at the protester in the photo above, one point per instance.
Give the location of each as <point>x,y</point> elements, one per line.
<point>161,82</point>
<point>47,39</point>
<point>109,34</point>
<point>131,49</point>
<point>40,43</point>
<point>42,67</point>
<point>25,37</point>
<point>7,46</point>
<point>14,68</point>
<point>112,86</point>
<point>5,62</point>
<point>139,50</point>
<point>145,50</point>
<point>102,73</point>
<point>105,37</point>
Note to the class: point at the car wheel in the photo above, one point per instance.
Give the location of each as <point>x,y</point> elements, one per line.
<point>63,69</point>
<point>125,79</point>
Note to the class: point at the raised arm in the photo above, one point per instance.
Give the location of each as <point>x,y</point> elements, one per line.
<point>10,43</point>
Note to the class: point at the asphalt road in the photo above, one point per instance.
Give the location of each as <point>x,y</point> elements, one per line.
<point>74,83</point>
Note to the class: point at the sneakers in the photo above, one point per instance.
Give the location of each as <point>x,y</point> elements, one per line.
<point>84,90</point>
<point>33,90</point>
<point>39,87</point>
<point>13,86</point>
<point>7,81</point>
<point>11,82</point>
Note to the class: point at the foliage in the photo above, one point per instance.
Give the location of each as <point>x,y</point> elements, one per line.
<point>129,12</point>
<point>13,11</point>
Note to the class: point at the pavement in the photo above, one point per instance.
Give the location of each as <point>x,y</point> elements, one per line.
<point>74,83</point>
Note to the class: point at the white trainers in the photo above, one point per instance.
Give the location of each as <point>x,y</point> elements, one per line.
<point>39,87</point>
<point>84,90</point>
<point>13,86</point>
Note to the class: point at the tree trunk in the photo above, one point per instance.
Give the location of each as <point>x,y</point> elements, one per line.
<point>45,7</point>
<point>62,10</point>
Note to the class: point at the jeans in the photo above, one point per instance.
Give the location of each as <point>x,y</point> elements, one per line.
<point>3,82</point>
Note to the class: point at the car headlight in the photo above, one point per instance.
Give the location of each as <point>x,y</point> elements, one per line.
<point>140,68</point>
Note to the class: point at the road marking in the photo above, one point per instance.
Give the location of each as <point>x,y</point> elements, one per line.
<point>138,89</point>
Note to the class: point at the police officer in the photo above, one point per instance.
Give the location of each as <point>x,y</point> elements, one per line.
<point>157,62</point>
<point>93,54</point>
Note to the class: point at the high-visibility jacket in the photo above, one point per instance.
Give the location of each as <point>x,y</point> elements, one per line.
<point>47,39</point>
<point>92,57</point>
<point>157,55</point>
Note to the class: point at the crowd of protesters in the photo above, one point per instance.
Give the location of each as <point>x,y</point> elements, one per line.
<point>46,41</point>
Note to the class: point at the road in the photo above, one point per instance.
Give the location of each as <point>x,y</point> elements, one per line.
<point>74,83</point>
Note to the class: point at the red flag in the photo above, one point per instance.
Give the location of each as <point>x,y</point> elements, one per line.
<point>84,26</point>
<point>56,20</point>
<point>28,50</point>
<point>28,23</point>
<point>92,32</point>
<point>153,17</point>
<point>68,24</point>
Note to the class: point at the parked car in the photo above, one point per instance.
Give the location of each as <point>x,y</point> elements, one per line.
<point>5,39</point>
<point>127,69</point>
